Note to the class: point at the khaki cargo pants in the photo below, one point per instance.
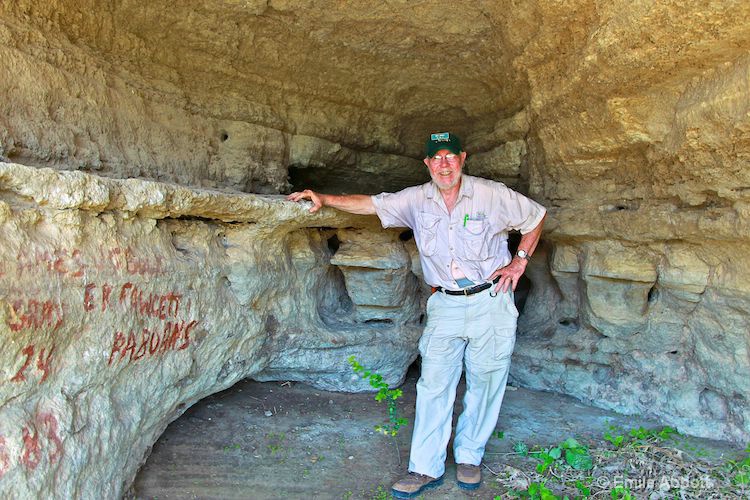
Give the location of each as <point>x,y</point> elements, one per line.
<point>479,330</point>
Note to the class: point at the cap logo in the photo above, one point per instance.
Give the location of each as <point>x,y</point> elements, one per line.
<point>441,137</point>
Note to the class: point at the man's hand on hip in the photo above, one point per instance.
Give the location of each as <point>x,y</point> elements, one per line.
<point>509,275</point>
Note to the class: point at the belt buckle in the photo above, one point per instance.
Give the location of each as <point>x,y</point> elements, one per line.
<point>466,291</point>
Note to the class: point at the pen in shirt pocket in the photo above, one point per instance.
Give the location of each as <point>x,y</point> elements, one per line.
<point>479,217</point>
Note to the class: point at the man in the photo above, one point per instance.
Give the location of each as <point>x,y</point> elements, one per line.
<point>461,226</point>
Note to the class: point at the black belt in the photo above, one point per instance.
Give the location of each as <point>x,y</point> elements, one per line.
<point>466,291</point>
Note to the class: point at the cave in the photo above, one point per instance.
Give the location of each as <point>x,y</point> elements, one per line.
<point>149,257</point>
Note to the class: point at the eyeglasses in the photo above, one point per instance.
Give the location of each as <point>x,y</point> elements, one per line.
<point>450,157</point>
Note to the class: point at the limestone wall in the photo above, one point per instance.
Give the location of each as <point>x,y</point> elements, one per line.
<point>645,168</point>
<point>122,302</point>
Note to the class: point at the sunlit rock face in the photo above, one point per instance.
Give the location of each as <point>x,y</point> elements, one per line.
<point>138,273</point>
<point>125,301</point>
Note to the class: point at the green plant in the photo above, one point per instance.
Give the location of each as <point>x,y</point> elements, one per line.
<point>535,491</point>
<point>384,394</point>
<point>667,432</point>
<point>742,478</point>
<point>739,471</point>
<point>620,493</point>
<point>548,457</point>
<point>521,448</point>
<point>638,435</point>
<point>498,434</point>
<point>381,494</point>
<point>641,434</point>
<point>232,447</point>
<point>583,487</point>
<point>615,439</point>
<point>575,455</point>
<point>275,442</point>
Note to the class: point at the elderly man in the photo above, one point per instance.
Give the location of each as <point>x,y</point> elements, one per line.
<point>461,226</point>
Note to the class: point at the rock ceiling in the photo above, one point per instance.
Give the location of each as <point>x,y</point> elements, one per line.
<point>394,69</point>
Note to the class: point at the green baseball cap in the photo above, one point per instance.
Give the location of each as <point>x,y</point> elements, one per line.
<point>443,140</point>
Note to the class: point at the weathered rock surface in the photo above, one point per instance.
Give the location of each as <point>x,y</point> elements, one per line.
<point>629,120</point>
<point>122,302</point>
<point>641,338</point>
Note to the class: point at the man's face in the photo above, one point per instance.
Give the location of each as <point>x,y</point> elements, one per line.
<point>445,168</point>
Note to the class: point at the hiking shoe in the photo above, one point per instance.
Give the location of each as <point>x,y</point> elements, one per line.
<point>414,484</point>
<point>468,476</point>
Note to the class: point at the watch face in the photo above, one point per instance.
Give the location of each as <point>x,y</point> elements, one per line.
<point>522,254</point>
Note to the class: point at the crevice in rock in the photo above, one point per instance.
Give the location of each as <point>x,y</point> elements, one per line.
<point>621,206</point>
<point>333,244</point>
<point>335,307</point>
<point>653,295</point>
<point>406,235</point>
<point>384,321</point>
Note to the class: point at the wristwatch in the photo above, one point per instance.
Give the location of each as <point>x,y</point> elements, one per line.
<point>523,255</point>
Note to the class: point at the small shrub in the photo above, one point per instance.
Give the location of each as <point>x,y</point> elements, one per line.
<point>384,394</point>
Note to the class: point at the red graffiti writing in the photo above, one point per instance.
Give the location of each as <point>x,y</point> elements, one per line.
<point>153,305</point>
<point>174,337</point>
<point>32,454</point>
<point>4,457</point>
<point>57,261</point>
<point>143,265</point>
<point>106,291</point>
<point>33,447</point>
<point>49,421</point>
<point>131,298</point>
<point>32,314</point>
<point>72,263</point>
<point>43,362</point>
<point>29,352</point>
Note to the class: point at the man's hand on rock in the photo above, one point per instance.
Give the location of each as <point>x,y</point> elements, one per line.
<point>307,194</point>
<point>510,274</point>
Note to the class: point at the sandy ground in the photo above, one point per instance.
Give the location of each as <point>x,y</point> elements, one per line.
<point>289,440</point>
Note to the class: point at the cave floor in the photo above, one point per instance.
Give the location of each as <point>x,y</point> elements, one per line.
<point>289,440</point>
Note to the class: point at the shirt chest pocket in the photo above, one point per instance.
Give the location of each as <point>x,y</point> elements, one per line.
<point>474,237</point>
<point>427,233</point>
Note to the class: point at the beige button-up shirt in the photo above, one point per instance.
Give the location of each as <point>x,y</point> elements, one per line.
<point>474,235</point>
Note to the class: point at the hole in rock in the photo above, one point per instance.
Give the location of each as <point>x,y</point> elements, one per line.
<point>406,235</point>
<point>524,284</point>
<point>334,304</point>
<point>333,244</point>
<point>345,178</point>
<point>333,180</point>
<point>522,293</point>
<point>653,294</point>
<point>224,137</point>
<point>380,320</point>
